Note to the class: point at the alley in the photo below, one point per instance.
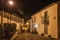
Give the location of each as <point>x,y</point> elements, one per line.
<point>29,19</point>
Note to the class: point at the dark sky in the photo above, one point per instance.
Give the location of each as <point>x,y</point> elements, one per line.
<point>29,7</point>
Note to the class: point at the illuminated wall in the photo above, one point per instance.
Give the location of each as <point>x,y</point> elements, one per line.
<point>47,20</point>
<point>31,25</point>
<point>6,19</point>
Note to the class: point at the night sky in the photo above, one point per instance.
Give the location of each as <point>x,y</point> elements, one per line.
<point>29,7</point>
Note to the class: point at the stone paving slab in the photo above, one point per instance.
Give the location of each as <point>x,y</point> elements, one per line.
<point>32,37</point>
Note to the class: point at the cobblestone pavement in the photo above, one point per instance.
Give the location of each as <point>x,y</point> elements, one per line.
<point>32,37</point>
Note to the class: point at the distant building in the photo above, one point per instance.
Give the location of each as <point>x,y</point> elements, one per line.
<point>48,20</point>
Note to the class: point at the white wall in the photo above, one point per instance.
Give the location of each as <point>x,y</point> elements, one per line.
<point>53,28</point>
<point>30,25</point>
<point>6,20</point>
<point>52,15</point>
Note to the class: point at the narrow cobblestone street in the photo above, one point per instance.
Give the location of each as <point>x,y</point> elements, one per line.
<point>29,19</point>
<point>28,36</point>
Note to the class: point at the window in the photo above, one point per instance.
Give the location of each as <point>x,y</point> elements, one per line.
<point>45,14</point>
<point>46,19</point>
<point>46,22</point>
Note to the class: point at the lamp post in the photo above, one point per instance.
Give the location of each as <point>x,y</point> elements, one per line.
<point>10,4</point>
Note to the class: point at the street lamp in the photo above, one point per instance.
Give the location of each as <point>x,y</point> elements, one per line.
<point>11,2</point>
<point>27,23</point>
